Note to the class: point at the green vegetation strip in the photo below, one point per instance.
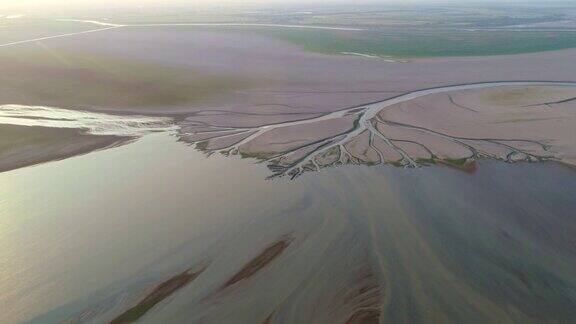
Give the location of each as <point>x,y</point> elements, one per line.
<point>420,43</point>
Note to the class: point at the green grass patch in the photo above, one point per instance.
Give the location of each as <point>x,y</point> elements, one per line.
<point>421,43</point>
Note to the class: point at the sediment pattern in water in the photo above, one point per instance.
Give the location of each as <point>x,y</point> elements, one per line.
<point>370,245</point>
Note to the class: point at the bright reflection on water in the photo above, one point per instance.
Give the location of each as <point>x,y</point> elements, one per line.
<point>93,123</point>
<point>71,227</point>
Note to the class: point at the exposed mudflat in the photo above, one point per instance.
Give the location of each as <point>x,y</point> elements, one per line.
<point>233,69</point>
<point>22,146</point>
<point>231,78</point>
<point>458,125</point>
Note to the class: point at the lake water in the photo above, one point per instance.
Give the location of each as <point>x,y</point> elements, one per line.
<point>84,239</point>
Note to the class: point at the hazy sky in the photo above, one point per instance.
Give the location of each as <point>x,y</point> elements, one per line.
<point>32,4</point>
<point>92,3</point>
<point>37,3</point>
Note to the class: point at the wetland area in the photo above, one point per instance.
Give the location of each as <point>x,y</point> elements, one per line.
<point>287,170</point>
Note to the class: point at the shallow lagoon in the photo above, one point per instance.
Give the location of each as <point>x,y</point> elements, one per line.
<point>87,238</point>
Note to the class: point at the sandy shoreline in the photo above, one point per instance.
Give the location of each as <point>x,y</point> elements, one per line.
<point>22,146</point>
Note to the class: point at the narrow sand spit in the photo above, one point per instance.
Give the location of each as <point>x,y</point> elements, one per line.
<point>22,146</point>
<point>33,135</point>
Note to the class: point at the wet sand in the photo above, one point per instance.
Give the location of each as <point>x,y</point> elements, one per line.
<point>233,69</point>
<point>456,126</point>
<point>35,134</point>
<point>226,78</point>
<point>22,146</point>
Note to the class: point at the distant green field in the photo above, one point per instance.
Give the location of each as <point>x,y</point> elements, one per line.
<point>420,43</point>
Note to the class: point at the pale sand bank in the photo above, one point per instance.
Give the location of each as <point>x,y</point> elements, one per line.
<point>22,146</point>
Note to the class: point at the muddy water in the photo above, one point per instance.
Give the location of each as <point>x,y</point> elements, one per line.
<point>158,232</point>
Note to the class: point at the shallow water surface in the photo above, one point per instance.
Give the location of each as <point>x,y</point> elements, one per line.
<point>159,232</point>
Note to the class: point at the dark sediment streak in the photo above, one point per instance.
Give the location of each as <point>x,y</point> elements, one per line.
<point>365,316</point>
<point>367,300</point>
<point>161,292</point>
<point>259,262</point>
